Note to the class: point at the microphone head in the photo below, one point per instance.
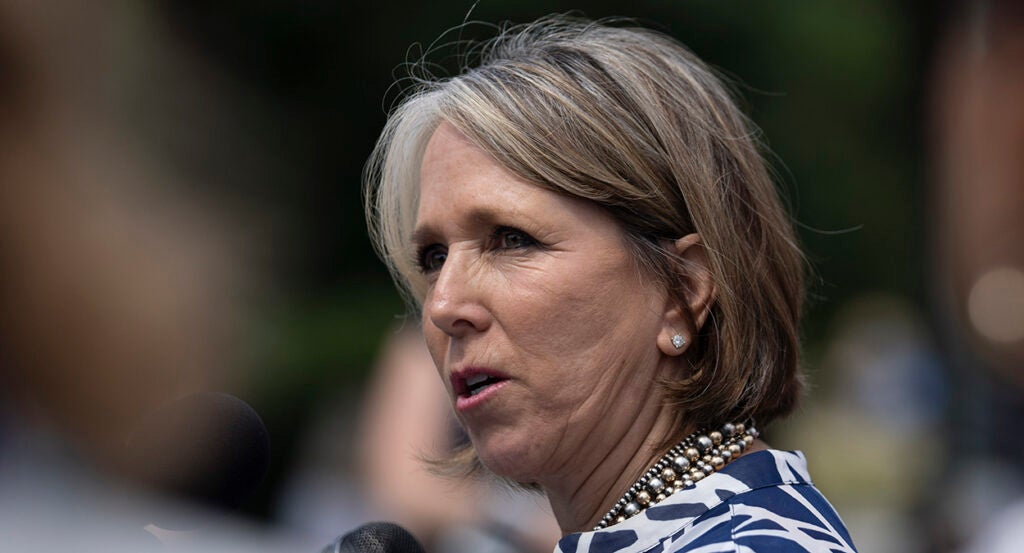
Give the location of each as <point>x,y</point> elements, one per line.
<point>376,537</point>
<point>207,447</point>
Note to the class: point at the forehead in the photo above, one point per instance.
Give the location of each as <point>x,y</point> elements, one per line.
<point>451,162</point>
<point>462,184</point>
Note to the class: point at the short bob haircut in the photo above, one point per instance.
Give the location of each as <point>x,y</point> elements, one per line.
<point>631,120</point>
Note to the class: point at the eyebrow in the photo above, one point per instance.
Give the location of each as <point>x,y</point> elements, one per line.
<point>481,215</point>
<point>423,236</point>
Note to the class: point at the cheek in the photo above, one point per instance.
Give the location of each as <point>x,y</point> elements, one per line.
<point>576,309</point>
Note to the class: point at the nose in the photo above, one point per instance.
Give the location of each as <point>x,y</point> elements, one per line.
<point>455,303</point>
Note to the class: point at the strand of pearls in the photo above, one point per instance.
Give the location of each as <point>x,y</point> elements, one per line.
<point>697,456</point>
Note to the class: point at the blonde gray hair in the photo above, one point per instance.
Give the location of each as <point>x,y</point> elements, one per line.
<point>631,120</point>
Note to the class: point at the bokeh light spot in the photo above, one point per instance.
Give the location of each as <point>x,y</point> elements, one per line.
<point>996,305</point>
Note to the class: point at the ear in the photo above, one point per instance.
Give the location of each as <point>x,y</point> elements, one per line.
<point>684,318</point>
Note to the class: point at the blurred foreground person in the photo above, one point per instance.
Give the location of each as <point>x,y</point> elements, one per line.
<point>610,288</point>
<point>115,297</point>
<point>979,247</point>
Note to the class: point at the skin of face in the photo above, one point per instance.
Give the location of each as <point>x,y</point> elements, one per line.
<point>539,287</point>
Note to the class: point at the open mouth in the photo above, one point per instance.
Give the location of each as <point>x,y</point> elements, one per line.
<point>478,383</point>
<point>474,383</point>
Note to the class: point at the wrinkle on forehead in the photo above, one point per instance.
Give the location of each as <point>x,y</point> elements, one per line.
<point>452,172</point>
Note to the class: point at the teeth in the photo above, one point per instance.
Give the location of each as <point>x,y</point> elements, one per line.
<point>475,379</point>
<point>477,391</point>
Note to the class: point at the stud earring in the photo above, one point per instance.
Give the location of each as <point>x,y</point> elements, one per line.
<point>678,341</point>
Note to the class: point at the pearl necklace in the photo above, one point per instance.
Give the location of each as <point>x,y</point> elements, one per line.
<point>697,456</point>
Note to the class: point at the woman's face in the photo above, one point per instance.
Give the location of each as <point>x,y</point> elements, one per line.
<point>541,326</point>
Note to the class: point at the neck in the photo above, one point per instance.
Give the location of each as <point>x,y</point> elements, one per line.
<point>581,496</point>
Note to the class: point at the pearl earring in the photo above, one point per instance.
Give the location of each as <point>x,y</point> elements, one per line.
<point>678,341</point>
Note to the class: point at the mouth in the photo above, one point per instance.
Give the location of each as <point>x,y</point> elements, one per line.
<point>472,382</point>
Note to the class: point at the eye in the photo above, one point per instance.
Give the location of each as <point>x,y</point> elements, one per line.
<point>508,238</point>
<point>431,258</point>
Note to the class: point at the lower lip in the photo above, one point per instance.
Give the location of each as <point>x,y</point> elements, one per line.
<point>464,403</point>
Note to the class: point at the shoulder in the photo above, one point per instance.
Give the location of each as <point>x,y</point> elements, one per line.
<point>764,501</point>
<point>785,517</point>
<point>767,503</point>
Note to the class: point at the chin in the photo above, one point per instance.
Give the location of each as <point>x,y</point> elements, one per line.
<point>509,458</point>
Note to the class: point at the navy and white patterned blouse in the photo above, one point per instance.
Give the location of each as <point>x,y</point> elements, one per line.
<point>763,501</point>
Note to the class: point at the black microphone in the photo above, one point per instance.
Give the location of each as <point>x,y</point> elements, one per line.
<point>376,537</point>
<point>207,447</point>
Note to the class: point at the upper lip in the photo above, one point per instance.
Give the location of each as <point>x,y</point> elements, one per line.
<point>459,377</point>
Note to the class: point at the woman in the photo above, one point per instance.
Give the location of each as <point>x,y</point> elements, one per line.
<point>610,288</point>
